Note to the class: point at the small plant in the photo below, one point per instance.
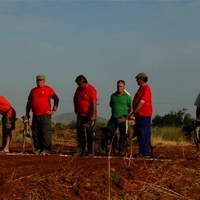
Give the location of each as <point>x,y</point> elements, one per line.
<point>114,178</point>
<point>59,126</point>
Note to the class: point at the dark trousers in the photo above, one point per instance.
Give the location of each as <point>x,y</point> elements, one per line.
<point>142,130</point>
<point>113,125</point>
<point>84,135</point>
<point>42,135</point>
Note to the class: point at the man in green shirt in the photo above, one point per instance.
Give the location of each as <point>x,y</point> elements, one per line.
<point>121,104</point>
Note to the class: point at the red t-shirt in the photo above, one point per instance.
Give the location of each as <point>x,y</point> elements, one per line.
<point>143,93</point>
<point>40,99</point>
<point>5,107</point>
<point>83,99</point>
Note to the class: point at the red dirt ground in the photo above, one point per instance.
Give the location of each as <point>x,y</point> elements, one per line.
<point>174,173</point>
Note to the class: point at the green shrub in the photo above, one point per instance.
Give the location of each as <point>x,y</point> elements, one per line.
<point>72,125</point>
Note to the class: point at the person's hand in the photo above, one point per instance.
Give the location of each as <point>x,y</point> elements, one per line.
<point>93,117</point>
<point>51,112</point>
<point>27,116</point>
<point>131,116</point>
<point>122,119</point>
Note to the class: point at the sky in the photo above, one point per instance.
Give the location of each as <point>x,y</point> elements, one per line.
<point>105,41</point>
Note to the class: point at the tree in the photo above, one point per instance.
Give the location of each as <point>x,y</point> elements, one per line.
<point>176,119</point>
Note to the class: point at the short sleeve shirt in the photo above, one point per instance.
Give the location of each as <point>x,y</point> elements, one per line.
<point>4,105</point>
<point>120,104</point>
<point>83,99</point>
<point>40,99</point>
<point>143,93</point>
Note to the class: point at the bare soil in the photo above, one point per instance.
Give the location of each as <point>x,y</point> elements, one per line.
<point>173,173</point>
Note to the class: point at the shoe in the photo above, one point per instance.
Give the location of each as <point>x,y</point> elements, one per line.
<point>90,154</point>
<point>37,152</point>
<point>121,152</point>
<point>4,151</point>
<point>45,152</point>
<point>142,156</point>
<point>79,153</point>
<point>103,150</point>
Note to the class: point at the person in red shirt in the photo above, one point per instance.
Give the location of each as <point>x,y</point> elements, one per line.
<point>85,107</point>
<point>8,123</point>
<point>39,101</point>
<point>142,110</point>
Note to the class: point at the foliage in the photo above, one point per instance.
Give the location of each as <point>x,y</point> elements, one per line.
<point>169,134</point>
<point>101,124</point>
<point>173,119</point>
<point>58,126</point>
<point>72,125</point>
<point>63,135</point>
<point>114,178</point>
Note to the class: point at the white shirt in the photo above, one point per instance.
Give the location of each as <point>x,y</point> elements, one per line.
<point>127,92</point>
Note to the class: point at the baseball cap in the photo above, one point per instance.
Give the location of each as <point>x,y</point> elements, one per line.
<point>141,75</point>
<point>41,77</point>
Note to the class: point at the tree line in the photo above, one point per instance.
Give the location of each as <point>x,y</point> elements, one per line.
<point>173,119</point>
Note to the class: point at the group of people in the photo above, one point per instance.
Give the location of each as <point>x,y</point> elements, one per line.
<point>121,104</point>
<point>39,102</point>
<point>85,107</point>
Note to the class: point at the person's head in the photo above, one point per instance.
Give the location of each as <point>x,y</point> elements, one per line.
<point>40,80</point>
<point>81,81</point>
<point>120,86</point>
<point>141,78</point>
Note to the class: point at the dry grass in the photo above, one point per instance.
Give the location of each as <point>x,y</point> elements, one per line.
<point>168,136</point>
<point>63,137</point>
<point>159,135</point>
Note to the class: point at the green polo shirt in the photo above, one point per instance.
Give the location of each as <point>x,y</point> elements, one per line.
<point>120,104</point>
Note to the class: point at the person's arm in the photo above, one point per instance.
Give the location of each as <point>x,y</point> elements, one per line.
<point>74,101</point>
<point>94,104</point>
<point>130,112</point>
<point>94,110</point>
<point>55,105</point>
<point>130,107</point>
<point>56,102</point>
<point>28,108</point>
<point>140,104</point>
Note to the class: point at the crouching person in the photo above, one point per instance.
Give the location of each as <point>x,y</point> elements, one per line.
<point>8,123</point>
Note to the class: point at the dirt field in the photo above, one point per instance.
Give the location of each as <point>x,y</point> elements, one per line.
<point>174,173</point>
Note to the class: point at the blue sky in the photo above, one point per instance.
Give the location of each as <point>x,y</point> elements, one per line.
<point>105,41</point>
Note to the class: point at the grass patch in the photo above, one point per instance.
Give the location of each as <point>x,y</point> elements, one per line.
<point>66,136</point>
<point>168,136</point>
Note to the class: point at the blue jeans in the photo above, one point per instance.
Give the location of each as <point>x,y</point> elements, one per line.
<point>113,125</point>
<point>142,129</point>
